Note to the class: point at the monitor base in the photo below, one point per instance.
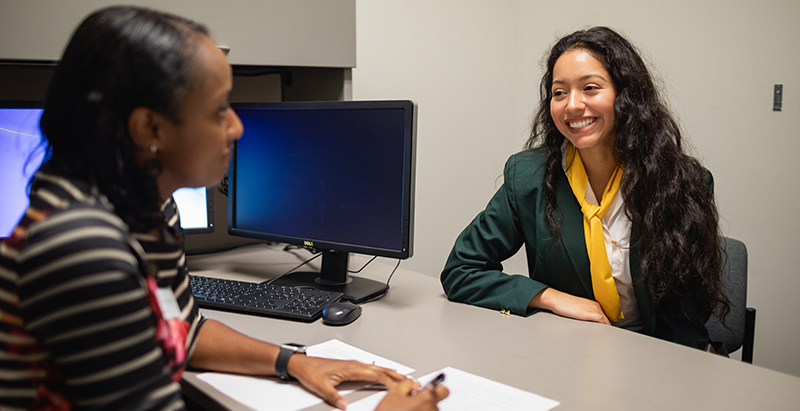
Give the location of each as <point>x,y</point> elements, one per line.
<point>355,289</point>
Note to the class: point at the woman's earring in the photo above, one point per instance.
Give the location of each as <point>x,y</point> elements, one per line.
<point>153,149</point>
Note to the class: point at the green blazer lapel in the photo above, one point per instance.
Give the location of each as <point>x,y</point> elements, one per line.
<point>572,222</point>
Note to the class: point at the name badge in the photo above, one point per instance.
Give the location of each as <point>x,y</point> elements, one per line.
<point>168,303</point>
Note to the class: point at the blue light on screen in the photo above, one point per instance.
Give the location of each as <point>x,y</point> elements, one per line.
<point>21,154</point>
<point>331,175</point>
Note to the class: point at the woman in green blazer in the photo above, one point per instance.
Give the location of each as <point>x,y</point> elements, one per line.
<point>654,264</point>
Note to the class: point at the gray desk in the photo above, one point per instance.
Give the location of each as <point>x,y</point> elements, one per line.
<point>583,365</point>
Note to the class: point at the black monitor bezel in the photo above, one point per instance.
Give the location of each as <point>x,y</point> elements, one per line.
<point>21,104</point>
<point>409,144</point>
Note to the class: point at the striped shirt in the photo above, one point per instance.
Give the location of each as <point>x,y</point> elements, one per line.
<point>76,327</point>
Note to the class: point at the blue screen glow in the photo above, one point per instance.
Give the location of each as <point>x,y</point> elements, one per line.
<point>21,154</point>
<point>331,175</point>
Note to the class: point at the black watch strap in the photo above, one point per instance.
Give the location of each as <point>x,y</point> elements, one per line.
<point>282,363</point>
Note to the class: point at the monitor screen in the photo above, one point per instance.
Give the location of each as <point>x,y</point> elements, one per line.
<point>196,208</point>
<point>22,152</point>
<point>336,176</point>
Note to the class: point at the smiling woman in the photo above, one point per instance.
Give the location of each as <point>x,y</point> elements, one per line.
<point>583,100</point>
<point>582,108</point>
<point>619,224</point>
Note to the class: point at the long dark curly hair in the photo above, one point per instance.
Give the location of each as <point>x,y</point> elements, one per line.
<point>668,195</point>
<point>118,59</point>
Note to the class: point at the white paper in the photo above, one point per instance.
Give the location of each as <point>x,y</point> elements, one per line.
<point>337,350</point>
<point>470,392</point>
<point>262,394</point>
<point>272,394</point>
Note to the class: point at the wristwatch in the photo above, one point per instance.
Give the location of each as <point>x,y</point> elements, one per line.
<point>281,364</point>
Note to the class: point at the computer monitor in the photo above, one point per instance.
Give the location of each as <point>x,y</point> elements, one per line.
<point>21,154</point>
<point>335,176</point>
<point>196,207</point>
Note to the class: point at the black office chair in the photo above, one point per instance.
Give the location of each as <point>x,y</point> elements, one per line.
<point>741,321</point>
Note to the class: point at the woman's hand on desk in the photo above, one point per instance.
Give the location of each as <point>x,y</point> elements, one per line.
<point>400,398</point>
<point>321,376</point>
<point>570,306</point>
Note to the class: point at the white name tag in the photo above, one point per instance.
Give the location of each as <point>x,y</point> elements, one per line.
<point>168,303</point>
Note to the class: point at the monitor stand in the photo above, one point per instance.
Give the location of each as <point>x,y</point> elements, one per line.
<point>333,276</point>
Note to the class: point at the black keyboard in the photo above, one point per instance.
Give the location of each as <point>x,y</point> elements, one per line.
<point>291,303</point>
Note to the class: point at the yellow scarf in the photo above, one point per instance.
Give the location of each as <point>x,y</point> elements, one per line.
<point>605,290</point>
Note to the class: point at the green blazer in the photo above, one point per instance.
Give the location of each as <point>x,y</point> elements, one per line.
<point>515,217</point>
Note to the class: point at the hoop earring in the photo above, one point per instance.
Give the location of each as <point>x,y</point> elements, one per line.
<point>153,149</point>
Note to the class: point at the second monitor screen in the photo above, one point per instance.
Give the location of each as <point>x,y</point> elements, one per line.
<point>324,175</point>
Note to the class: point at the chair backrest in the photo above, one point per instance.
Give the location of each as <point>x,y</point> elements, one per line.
<point>734,281</point>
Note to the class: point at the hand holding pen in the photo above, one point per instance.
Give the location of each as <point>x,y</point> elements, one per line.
<point>408,396</point>
<point>431,385</point>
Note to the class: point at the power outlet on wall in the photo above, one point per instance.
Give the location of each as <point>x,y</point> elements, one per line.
<point>777,98</point>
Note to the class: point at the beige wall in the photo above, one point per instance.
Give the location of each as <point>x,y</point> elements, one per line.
<point>473,68</point>
<point>303,33</point>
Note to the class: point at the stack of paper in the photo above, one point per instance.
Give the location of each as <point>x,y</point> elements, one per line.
<point>467,391</point>
<point>470,392</point>
<point>272,394</point>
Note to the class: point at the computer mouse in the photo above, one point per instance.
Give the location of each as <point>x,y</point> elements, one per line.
<point>340,313</point>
